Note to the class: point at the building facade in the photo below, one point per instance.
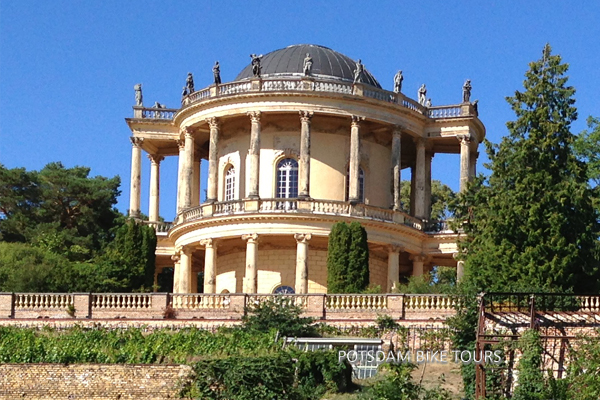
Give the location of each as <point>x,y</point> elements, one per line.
<point>304,137</point>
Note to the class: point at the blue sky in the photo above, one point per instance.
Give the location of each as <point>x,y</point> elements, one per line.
<point>67,68</point>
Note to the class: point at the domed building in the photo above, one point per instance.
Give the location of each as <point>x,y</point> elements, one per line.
<point>303,138</point>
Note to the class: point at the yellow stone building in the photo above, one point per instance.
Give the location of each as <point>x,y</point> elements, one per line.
<point>304,137</point>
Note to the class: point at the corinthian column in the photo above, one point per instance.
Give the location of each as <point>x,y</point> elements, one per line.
<point>254,154</point>
<point>213,153</point>
<point>354,189</point>
<point>465,162</point>
<point>210,265</point>
<point>396,166</point>
<point>420,176</point>
<point>185,270</point>
<point>153,211</point>
<point>180,173</point>
<point>251,259</point>
<point>393,267</point>
<point>304,165</point>
<point>302,262</point>
<point>188,171</point>
<point>135,194</point>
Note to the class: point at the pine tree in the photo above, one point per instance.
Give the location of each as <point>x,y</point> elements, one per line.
<point>531,224</point>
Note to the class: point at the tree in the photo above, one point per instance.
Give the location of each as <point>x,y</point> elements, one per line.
<point>347,259</point>
<point>531,384</point>
<point>587,147</point>
<point>441,198</point>
<point>531,224</point>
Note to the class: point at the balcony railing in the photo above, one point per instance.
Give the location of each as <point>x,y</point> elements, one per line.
<point>300,206</point>
<point>308,85</point>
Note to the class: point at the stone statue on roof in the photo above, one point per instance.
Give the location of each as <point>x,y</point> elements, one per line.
<point>422,94</point>
<point>256,65</point>
<point>139,99</point>
<point>467,91</point>
<point>428,103</point>
<point>217,73</point>
<point>184,92</point>
<point>398,78</point>
<point>308,62</point>
<point>189,83</point>
<point>359,71</point>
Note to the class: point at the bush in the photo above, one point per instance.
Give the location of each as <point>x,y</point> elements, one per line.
<point>278,314</point>
<point>347,259</point>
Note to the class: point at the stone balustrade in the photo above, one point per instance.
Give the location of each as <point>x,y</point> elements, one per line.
<point>308,85</point>
<point>326,207</point>
<point>231,306</point>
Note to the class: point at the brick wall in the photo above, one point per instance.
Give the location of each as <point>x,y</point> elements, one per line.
<point>91,381</point>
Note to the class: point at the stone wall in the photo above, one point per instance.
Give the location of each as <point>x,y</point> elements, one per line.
<point>91,381</point>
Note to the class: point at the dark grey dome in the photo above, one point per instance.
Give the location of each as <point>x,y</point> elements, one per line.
<point>327,63</point>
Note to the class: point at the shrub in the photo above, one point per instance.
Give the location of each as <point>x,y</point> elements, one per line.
<point>278,314</point>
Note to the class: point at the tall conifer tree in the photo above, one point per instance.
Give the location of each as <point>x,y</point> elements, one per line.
<point>531,224</point>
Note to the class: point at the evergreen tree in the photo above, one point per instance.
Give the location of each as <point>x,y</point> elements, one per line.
<point>347,259</point>
<point>532,224</point>
<point>337,257</point>
<point>358,259</point>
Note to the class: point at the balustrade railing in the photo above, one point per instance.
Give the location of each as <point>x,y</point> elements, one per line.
<point>356,302</point>
<point>321,86</point>
<point>227,207</point>
<point>43,300</point>
<point>420,302</point>
<point>200,301</point>
<point>330,207</point>
<point>291,299</point>
<point>116,301</point>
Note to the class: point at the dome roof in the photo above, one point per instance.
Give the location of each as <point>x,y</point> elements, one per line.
<point>327,63</point>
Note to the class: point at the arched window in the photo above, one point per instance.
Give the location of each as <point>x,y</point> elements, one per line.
<point>287,179</point>
<point>284,290</point>
<point>361,185</point>
<point>229,184</point>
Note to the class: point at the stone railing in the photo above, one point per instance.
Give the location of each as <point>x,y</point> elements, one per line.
<point>304,85</point>
<point>326,207</point>
<point>159,226</point>
<point>231,306</point>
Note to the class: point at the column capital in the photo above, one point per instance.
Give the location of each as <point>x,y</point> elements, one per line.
<point>187,132</point>
<point>305,116</point>
<point>213,122</point>
<point>398,129</point>
<point>136,141</point>
<point>394,248</point>
<point>464,139</point>
<point>180,144</point>
<point>302,237</point>
<point>155,158</point>
<point>250,238</point>
<point>418,257</point>
<point>356,120</point>
<point>176,257</point>
<point>208,243</point>
<point>254,116</point>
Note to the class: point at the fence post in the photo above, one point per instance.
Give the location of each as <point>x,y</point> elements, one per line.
<point>159,304</point>
<point>395,305</point>
<point>7,305</point>
<point>83,305</point>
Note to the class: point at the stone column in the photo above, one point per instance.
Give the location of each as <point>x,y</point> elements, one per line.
<point>196,180</point>
<point>153,209</point>
<point>210,265</point>
<point>188,171</point>
<point>413,185</point>
<point>304,164</point>
<point>135,193</point>
<point>418,265</point>
<point>393,267</point>
<point>465,155</point>
<point>254,154</point>
<point>354,189</point>
<point>460,270</point>
<point>250,285</point>
<point>302,240</point>
<point>180,173</point>
<point>176,270</point>
<point>396,168</point>
<point>213,155</point>
<point>473,164</point>
<point>185,264</point>
<point>428,157</point>
<point>420,177</point>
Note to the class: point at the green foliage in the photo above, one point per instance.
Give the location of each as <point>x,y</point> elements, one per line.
<point>347,259</point>
<point>532,225</point>
<point>531,384</point>
<point>279,314</point>
<point>397,385</point>
<point>441,280</point>
<point>587,148</point>
<point>583,379</point>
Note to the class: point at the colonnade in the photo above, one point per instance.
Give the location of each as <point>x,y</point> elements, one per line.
<point>189,167</point>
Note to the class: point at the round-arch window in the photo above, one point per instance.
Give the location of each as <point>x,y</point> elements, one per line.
<point>284,290</point>
<point>229,184</point>
<point>287,178</point>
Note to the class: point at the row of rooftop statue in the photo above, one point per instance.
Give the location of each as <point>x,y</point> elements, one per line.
<point>359,73</point>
